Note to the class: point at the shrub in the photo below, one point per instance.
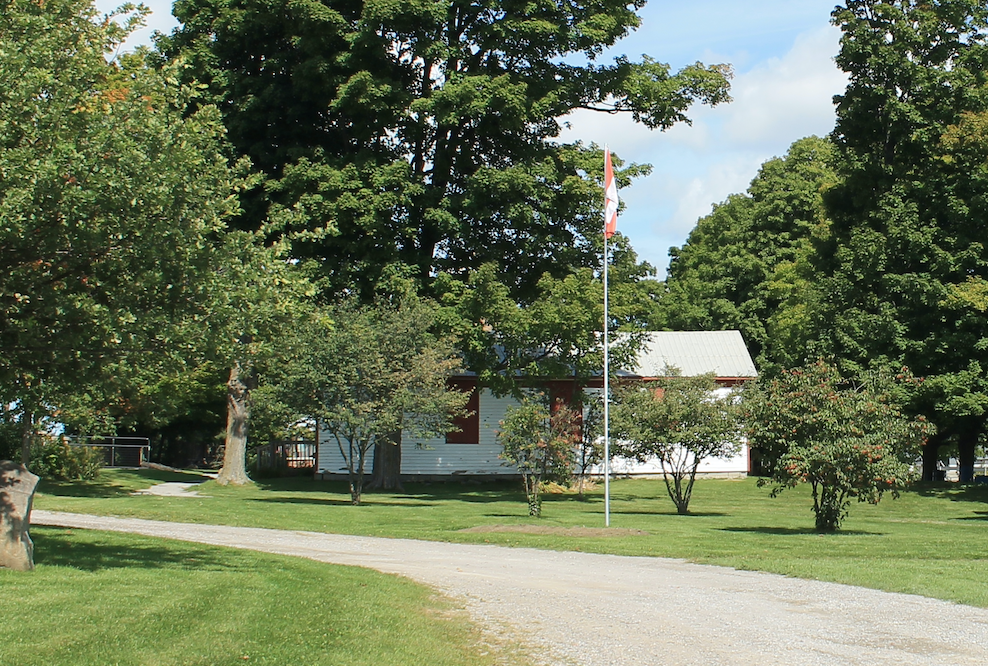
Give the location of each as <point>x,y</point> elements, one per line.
<point>541,443</point>
<point>846,438</point>
<point>56,459</point>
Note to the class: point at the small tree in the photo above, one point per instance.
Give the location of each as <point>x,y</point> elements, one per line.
<point>368,373</point>
<point>845,438</point>
<point>590,450</point>
<point>681,421</point>
<point>540,442</point>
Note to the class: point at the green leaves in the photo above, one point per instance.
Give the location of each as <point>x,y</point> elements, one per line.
<point>369,372</point>
<point>679,421</point>
<point>540,440</point>
<point>423,133</point>
<point>748,266</point>
<point>112,191</point>
<point>846,438</point>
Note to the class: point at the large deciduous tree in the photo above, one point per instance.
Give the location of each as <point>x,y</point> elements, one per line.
<point>112,191</point>
<point>424,131</point>
<point>264,296</point>
<point>746,265</point>
<point>908,218</point>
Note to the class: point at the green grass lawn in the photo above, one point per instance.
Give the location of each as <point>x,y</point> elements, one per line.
<point>932,541</point>
<point>105,599</point>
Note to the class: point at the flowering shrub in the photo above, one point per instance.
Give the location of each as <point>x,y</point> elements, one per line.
<point>847,439</point>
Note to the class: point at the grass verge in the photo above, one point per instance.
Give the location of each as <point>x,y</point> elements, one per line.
<point>104,599</point>
<point>932,541</point>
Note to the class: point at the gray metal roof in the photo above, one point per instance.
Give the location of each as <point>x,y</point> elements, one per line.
<point>723,353</point>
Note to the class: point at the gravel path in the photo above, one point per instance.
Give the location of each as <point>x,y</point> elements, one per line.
<point>608,610</point>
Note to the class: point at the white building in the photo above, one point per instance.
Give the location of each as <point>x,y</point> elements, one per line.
<point>473,451</point>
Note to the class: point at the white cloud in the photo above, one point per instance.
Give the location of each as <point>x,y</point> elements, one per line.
<point>712,187</point>
<point>787,97</point>
<point>778,101</point>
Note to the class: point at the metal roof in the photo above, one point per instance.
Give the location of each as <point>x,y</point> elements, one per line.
<point>723,353</point>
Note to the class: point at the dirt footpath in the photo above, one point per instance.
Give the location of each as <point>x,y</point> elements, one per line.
<point>608,610</point>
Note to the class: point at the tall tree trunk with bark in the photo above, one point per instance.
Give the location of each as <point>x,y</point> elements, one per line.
<point>386,472</point>
<point>234,470</point>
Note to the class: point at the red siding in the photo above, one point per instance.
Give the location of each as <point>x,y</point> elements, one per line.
<point>469,426</point>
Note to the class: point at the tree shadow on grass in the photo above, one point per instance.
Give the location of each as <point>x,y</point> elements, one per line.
<point>103,487</point>
<point>92,489</point>
<point>66,548</point>
<point>953,491</point>
<point>332,501</point>
<point>165,476</point>
<point>797,531</point>
<point>978,515</point>
<point>671,512</point>
<point>427,493</point>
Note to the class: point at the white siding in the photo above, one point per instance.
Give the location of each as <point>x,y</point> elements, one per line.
<point>492,411</point>
<point>715,466</point>
<point>427,457</point>
<point>435,457</point>
<point>331,461</point>
<point>439,458</point>
<point>453,460</point>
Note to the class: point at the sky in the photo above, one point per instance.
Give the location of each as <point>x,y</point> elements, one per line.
<point>785,78</point>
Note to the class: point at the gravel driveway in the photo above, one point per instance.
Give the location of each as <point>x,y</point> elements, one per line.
<point>609,610</point>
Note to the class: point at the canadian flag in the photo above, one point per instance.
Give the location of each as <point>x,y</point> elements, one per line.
<point>610,197</point>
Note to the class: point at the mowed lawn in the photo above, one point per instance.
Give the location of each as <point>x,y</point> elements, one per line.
<point>931,541</point>
<point>102,599</point>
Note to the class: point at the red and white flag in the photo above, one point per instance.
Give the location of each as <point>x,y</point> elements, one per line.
<point>610,197</point>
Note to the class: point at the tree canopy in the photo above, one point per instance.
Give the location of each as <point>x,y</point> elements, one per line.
<point>367,373</point>
<point>681,422</point>
<point>423,133</point>
<point>746,265</point>
<point>848,439</point>
<point>908,220</point>
<point>113,189</point>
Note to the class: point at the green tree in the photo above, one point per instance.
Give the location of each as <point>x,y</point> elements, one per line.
<point>540,440</point>
<point>590,449</point>
<point>679,421</point>
<point>264,295</point>
<point>908,220</point>
<point>846,438</point>
<point>746,265</point>
<point>367,373</point>
<point>424,132</point>
<point>112,191</point>
<point>554,335</point>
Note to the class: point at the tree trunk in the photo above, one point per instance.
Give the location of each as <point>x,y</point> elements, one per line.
<point>966,445</point>
<point>386,472</point>
<point>234,470</point>
<point>27,436</point>
<point>930,458</point>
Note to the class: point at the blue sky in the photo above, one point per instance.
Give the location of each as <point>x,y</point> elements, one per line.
<point>785,78</point>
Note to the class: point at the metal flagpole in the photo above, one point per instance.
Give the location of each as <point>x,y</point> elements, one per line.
<point>610,224</point>
<point>607,401</point>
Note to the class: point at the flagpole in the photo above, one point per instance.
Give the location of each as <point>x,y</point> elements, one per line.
<point>610,225</point>
<point>607,401</point>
